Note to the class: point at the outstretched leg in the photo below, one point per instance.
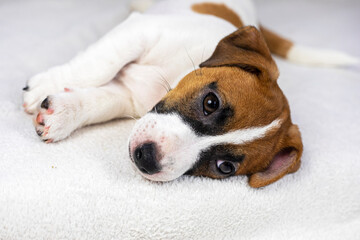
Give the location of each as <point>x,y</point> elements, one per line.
<point>60,114</point>
<point>97,66</point>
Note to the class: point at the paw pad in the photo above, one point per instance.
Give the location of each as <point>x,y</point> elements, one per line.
<point>39,133</point>
<point>40,119</point>
<point>45,103</point>
<point>56,117</point>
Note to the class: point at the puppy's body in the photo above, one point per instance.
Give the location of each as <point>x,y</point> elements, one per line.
<point>155,46</point>
<point>132,68</point>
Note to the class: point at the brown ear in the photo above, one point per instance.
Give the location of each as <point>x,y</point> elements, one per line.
<point>247,49</point>
<point>287,160</point>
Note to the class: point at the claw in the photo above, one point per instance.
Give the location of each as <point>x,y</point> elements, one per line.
<point>48,140</point>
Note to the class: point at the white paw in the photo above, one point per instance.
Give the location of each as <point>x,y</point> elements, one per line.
<point>38,87</point>
<point>58,116</point>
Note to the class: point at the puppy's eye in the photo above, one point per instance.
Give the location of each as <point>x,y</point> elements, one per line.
<point>210,104</point>
<point>225,167</point>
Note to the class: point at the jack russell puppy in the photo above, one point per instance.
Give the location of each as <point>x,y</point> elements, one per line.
<point>228,117</point>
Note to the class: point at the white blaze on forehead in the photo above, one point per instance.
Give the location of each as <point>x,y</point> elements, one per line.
<point>179,145</point>
<point>240,136</point>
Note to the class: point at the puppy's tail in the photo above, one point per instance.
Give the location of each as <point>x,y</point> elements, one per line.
<point>306,55</point>
<point>141,5</point>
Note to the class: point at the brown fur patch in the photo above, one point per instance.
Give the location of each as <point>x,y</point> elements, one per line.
<point>247,49</point>
<point>277,44</point>
<point>218,10</point>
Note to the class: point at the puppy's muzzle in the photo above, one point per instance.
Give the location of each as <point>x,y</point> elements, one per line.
<point>145,158</point>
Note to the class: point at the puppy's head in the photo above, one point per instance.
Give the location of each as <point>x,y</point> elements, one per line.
<point>227,118</point>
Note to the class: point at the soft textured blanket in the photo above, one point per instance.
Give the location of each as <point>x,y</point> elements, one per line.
<point>85,188</point>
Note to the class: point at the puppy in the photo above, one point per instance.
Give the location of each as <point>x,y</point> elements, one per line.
<point>229,117</point>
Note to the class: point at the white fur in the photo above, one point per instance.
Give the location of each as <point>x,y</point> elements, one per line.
<point>179,146</point>
<point>320,57</point>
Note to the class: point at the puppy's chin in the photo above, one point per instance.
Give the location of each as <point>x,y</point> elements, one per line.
<point>158,177</point>
<point>165,175</point>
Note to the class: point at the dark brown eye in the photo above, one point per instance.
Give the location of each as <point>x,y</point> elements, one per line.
<point>210,104</point>
<point>225,167</point>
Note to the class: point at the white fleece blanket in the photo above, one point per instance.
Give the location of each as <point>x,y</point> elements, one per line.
<point>85,188</point>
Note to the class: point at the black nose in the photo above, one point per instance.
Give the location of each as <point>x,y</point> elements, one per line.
<point>145,159</point>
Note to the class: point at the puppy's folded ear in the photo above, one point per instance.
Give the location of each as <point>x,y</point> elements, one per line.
<point>246,49</point>
<point>287,160</point>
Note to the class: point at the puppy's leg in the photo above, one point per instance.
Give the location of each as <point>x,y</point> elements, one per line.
<point>96,66</point>
<point>60,114</point>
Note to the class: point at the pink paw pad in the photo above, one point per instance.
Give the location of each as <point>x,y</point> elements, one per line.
<point>46,130</point>
<point>40,119</point>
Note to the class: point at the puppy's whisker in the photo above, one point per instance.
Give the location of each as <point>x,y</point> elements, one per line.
<point>166,82</point>
<point>132,117</point>
<point>202,59</point>
<point>162,82</point>
<point>191,61</point>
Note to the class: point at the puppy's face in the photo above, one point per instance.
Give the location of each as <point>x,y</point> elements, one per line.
<point>227,118</point>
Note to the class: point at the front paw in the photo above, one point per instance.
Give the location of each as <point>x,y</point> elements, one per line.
<point>57,117</point>
<point>37,88</point>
